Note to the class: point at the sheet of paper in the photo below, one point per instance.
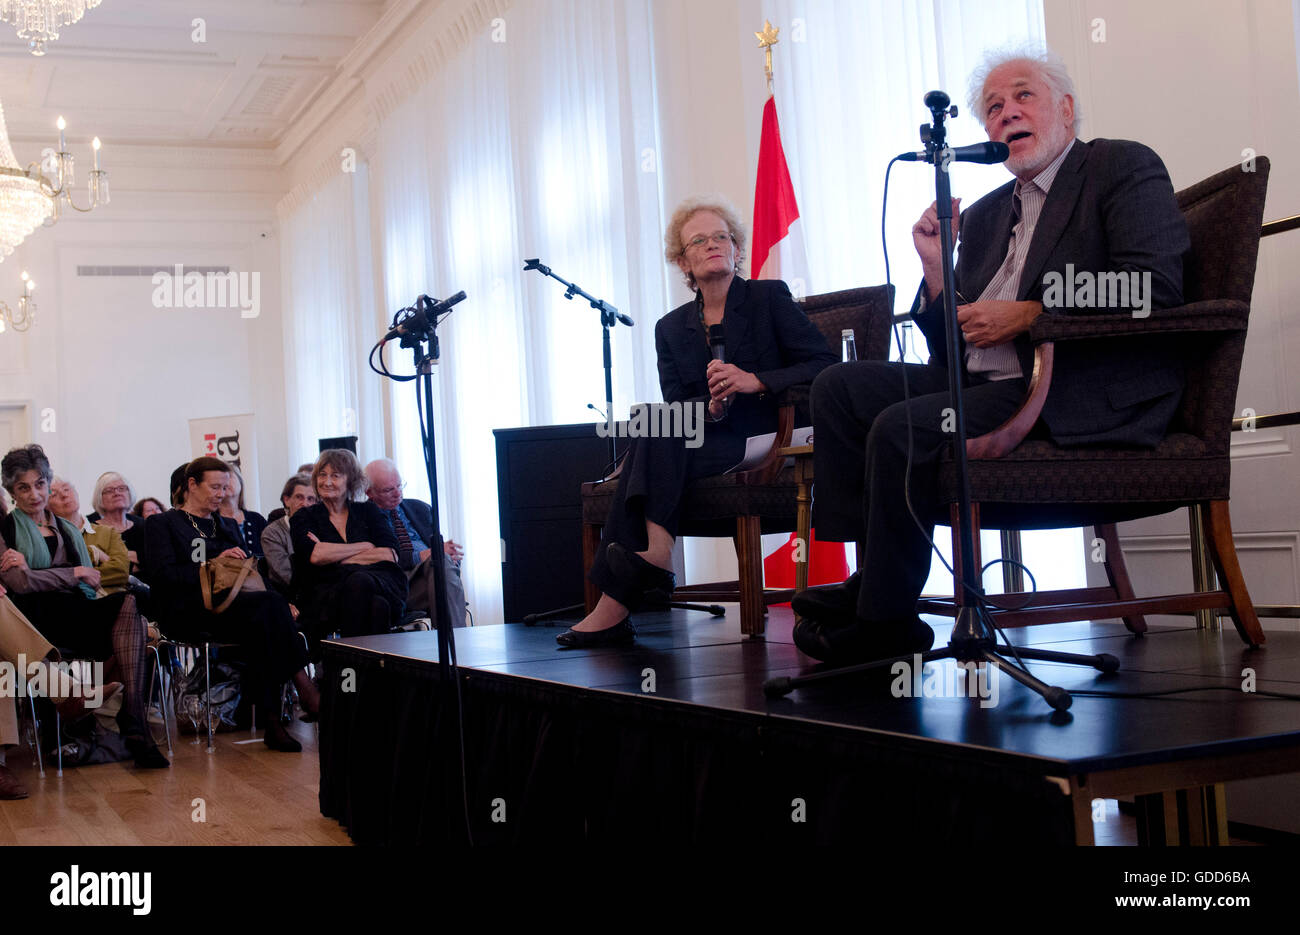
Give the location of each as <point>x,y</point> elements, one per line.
<point>757,447</point>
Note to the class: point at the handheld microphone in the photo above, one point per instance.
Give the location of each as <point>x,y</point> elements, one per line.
<point>718,351</point>
<point>982,153</point>
<point>718,343</point>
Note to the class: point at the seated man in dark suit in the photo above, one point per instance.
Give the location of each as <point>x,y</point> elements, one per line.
<point>413,522</point>
<point>1095,214</point>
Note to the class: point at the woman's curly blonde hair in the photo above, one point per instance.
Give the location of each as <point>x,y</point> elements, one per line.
<point>674,249</point>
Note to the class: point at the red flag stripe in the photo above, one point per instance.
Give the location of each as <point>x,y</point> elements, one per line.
<point>775,208</point>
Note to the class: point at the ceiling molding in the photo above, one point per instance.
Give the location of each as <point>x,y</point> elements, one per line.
<point>409,45</point>
<point>328,168</point>
<point>425,53</point>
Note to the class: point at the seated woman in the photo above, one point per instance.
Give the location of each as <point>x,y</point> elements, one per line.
<point>258,621</point>
<point>111,499</point>
<point>148,507</point>
<point>47,571</point>
<point>108,553</point>
<point>250,522</point>
<point>345,570</point>
<point>771,345</point>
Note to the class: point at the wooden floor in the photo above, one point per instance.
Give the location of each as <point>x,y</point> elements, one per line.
<point>252,795</point>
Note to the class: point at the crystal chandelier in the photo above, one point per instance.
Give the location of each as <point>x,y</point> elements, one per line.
<point>38,21</point>
<point>28,198</point>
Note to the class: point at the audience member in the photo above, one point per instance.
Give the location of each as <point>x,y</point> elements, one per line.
<point>345,555</point>
<point>412,521</point>
<point>148,507</point>
<point>280,511</point>
<point>258,621</point>
<point>111,499</point>
<point>250,522</point>
<point>108,553</point>
<point>48,572</point>
<point>277,542</point>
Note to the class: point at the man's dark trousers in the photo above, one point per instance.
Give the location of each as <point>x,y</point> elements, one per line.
<point>860,457</point>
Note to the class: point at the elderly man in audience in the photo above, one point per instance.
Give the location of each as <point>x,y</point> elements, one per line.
<point>112,499</point>
<point>413,522</point>
<point>108,553</point>
<point>277,540</point>
<point>258,621</point>
<point>50,577</point>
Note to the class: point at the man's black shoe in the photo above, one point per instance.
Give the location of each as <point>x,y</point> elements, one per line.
<point>862,640</point>
<point>839,601</point>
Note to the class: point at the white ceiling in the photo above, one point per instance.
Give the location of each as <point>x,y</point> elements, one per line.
<point>131,71</point>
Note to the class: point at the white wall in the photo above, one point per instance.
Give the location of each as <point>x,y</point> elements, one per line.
<point>121,377</point>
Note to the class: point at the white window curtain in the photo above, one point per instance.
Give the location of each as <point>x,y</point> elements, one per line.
<point>849,81</point>
<point>329,318</point>
<point>528,143</point>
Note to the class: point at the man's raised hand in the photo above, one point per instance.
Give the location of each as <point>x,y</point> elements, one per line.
<point>925,237</point>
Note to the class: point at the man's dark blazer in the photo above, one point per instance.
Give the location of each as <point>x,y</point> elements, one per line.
<point>1111,208</point>
<point>766,333</point>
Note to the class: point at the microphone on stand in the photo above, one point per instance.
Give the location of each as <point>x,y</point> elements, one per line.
<point>718,351</point>
<point>427,308</point>
<point>982,153</point>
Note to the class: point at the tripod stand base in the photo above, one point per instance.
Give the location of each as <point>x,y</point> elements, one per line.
<point>964,650</point>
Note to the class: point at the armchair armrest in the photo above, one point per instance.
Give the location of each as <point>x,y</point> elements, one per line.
<point>1211,316</point>
<point>1012,432</point>
<point>795,396</point>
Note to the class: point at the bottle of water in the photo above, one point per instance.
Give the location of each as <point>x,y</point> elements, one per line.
<point>850,350</point>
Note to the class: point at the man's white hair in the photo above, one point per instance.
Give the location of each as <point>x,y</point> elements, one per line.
<point>386,464</point>
<point>1050,67</point>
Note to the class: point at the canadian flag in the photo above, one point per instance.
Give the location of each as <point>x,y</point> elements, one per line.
<point>779,254</point>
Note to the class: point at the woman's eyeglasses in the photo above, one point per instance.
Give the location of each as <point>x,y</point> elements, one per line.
<point>721,237</point>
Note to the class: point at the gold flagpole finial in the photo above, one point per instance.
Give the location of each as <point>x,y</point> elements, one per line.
<point>767,39</point>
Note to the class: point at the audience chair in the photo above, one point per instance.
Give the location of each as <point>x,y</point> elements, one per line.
<point>1023,482</point>
<point>749,504</point>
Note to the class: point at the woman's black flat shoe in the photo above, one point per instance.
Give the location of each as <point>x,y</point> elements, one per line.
<point>620,634</point>
<point>634,571</point>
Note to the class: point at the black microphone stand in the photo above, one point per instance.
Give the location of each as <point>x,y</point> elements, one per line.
<point>609,316</point>
<point>417,330</point>
<point>973,638</point>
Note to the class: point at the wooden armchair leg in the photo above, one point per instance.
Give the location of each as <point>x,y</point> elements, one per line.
<point>1224,553</point>
<point>1117,573</point>
<point>590,543</point>
<point>749,556</point>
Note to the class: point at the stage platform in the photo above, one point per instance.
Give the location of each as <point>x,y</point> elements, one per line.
<point>673,740</point>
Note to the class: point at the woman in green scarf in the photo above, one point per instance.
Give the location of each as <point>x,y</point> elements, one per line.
<point>51,579</point>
